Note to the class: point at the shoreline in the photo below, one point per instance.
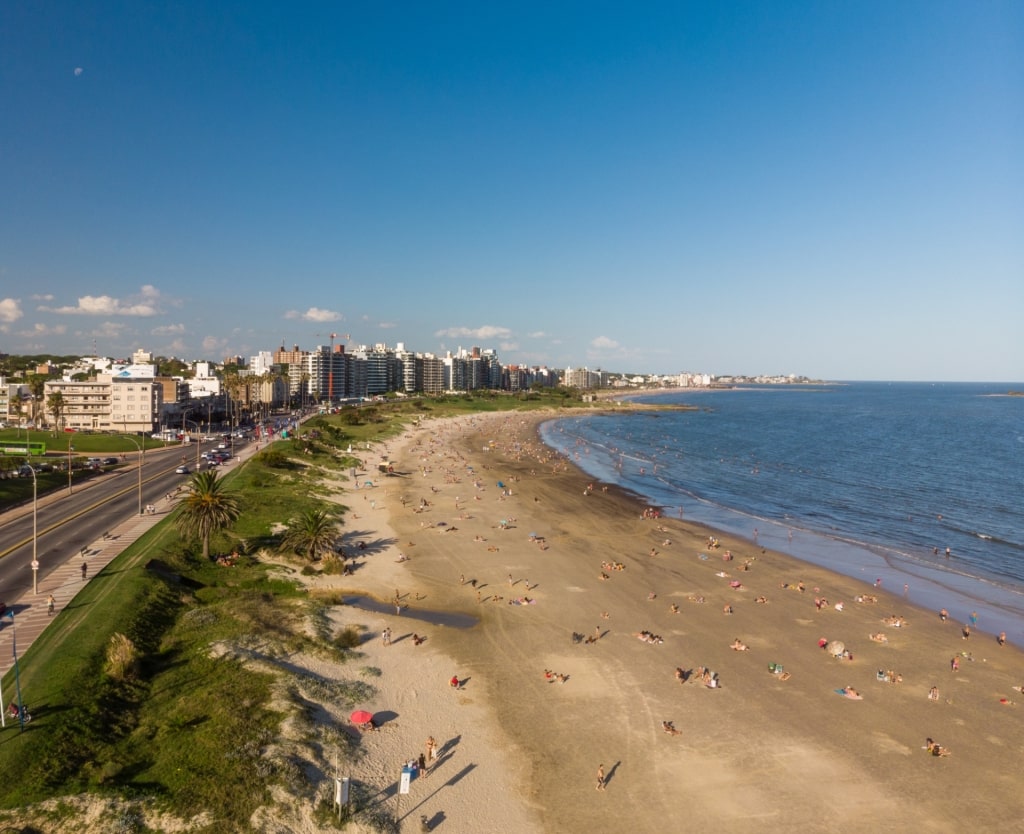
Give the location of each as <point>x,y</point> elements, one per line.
<point>758,749</point>
<point>934,584</point>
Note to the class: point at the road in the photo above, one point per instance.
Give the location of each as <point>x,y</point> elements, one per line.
<point>66,523</point>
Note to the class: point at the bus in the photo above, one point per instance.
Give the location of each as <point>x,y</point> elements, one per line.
<point>21,449</point>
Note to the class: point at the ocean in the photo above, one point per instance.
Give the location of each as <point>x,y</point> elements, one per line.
<point>874,480</point>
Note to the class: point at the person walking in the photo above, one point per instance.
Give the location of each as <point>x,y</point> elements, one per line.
<point>85,569</point>
<point>50,602</point>
<point>600,777</point>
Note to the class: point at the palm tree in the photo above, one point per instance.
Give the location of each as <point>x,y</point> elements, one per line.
<point>16,404</point>
<point>55,405</point>
<point>207,508</point>
<point>37,385</point>
<point>312,532</point>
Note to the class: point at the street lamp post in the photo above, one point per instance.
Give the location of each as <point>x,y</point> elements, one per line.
<point>137,446</point>
<point>35,561</point>
<point>17,673</point>
<point>199,440</point>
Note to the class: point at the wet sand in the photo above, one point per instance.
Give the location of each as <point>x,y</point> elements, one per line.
<point>757,753</point>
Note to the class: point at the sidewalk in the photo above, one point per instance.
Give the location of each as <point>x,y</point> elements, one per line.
<point>30,617</point>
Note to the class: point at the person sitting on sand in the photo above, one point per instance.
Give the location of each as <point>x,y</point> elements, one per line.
<point>673,608</point>
<point>680,674</point>
<point>933,694</point>
<point>762,600</point>
<point>935,749</point>
<point>879,637</point>
<point>669,728</point>
<point>454,682</point>
<point>417,640</point>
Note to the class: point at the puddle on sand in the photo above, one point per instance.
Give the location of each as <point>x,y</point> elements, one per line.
<point>438,618</point>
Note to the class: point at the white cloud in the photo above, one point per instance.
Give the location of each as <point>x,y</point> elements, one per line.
<point>314,314</point>
<point>486,333</point>
<point>213,344</point>
<point>537,334</point>
<point>10,309</point>
<point>107,330</point>
<point>167,330</point>
<point>145,303</point>
<point>78,71</point>
<point>506,346</point>
<point>40,329</point>
<point>388,325</point>
<point>176,346</point>
<point>604,343</point>
<point>46,296</point>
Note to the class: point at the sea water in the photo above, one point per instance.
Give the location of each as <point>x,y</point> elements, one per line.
<point>871,479</point>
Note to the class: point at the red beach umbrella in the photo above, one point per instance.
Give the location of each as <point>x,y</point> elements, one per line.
<point>361,716</point>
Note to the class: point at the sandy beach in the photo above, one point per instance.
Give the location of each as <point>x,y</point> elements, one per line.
<point>589,615</point>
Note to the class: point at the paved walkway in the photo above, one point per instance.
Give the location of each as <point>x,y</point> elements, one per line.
<point>30,615</point>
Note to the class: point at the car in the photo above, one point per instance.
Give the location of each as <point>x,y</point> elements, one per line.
<point>182,470</point>
<point>110,461</point>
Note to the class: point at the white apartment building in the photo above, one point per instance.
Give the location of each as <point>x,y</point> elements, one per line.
<point>109,403</point>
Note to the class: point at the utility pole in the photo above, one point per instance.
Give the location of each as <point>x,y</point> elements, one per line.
<point>330,373</point>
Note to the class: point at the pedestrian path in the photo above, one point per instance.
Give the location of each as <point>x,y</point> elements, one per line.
<point>30,612</point>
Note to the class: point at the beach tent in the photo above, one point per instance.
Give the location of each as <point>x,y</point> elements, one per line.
<point>835,648</point>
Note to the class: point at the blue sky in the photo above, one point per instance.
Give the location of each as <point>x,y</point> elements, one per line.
<point>828,189</point>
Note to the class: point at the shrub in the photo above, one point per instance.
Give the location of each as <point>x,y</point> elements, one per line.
<point>348,638</point>
<point>122,658</point>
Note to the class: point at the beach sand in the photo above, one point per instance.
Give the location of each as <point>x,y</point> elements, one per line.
<point>760,752</point>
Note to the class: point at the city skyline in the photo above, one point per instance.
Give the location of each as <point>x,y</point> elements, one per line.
<point>828,191</point>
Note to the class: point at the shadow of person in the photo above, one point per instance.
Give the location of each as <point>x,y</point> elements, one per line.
<point>611,773</point>
<point>449,745</point>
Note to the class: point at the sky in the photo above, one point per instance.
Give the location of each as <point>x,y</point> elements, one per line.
<point>834,190</point>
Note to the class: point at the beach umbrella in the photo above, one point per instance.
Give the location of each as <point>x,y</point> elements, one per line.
<point>361,716</point>
<point>835,648</point>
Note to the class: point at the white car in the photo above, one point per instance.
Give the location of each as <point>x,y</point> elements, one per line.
<point>182,470</point>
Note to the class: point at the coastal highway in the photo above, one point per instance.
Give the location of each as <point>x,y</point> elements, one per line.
<point>67,523</point>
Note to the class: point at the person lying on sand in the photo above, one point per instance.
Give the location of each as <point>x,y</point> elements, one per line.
<point>935,748</point>
<point>879,637</point>
<point>738,646</point>
<point>851,693</point>
<point>669,728</point>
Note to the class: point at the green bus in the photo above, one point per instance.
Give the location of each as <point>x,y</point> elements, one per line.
<point>22,449</point>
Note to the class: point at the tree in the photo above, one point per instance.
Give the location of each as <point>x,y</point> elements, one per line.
<point>207,508</point>
<point>15,405</point>
<point>311,533</point>
<point>37,385</point>
<point>55,405</point>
